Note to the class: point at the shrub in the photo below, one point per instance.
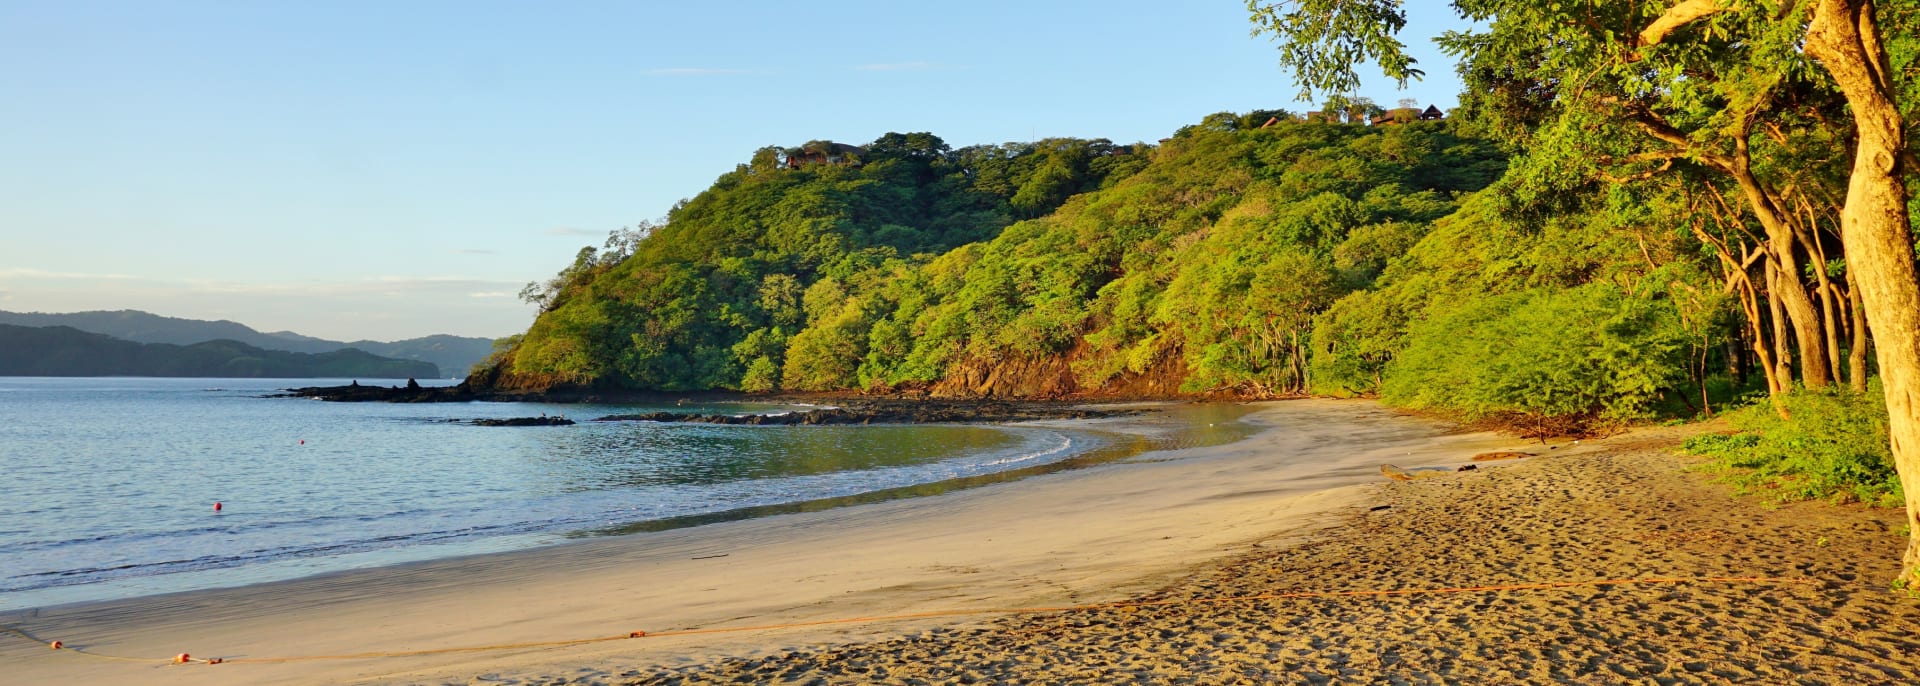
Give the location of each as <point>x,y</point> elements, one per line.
<point>1545,357</point>
<point>1834,446</point>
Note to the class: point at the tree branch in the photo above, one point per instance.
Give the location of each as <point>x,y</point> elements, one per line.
<point>1677,16</point>
<point>1662,131</point>
<point>1666,159</point>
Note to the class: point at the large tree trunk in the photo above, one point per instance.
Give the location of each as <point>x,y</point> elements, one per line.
<point>1800,310</point>
<point>1830,320</point>
<point>1857,355</point>
<point>1782,358</point>
<point>1874,227</point>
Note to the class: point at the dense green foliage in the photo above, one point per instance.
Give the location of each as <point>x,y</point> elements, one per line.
<point>1592,311</point>
<point>1547,353</point>
<point>765,260</point>
<point>1209,255</point>
<point>1834,446</point>
<point>65,351</point>
<point>1669,234</point>
<point>1235,257</point>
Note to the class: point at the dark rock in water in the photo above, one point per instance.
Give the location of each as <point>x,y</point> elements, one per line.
<point>525,421</point>
<point>413,392</point>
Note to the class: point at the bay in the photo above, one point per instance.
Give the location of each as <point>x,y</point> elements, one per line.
<point>110,483</point>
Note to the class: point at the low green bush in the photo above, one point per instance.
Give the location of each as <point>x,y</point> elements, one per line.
<point>1553,358</point>
<point>1832,445</point>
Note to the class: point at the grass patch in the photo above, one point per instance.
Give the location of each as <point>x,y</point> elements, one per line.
<point>1833,447</point>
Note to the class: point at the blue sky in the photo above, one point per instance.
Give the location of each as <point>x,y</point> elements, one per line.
<point>389,170</point>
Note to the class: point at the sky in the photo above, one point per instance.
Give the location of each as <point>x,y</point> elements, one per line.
<point>382,170</point>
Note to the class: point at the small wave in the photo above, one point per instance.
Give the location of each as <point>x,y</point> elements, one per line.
<point>1063,445</point>
<point>85,575</point>
<point>241,526</point>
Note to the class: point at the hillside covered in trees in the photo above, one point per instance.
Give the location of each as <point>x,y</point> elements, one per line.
<point>1236,258</point>
<point>66,351</point>
<point>1058,268</point>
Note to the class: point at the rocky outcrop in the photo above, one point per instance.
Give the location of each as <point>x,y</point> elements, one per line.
<point>1042,378</point>
<point>413,392</point>
<point>886,412</point>
<point>1052,377</point>
<point>542,420</point>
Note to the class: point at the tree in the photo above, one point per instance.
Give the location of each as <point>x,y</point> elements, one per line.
<point>552,293</point>
<point>919,146</point>
<point>1877,230</point>
<point>1694,77</point>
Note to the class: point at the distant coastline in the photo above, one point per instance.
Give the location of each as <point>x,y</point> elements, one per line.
<point>454,355</point>
<point>66,351</point>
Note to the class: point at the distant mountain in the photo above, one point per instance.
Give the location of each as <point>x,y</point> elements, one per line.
<point>454,355</point>
<point>66,351</point>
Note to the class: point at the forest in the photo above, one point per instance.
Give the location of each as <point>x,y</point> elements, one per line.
<point>1774,134</point>
<point>1638,212</point>
<point>1064,267</point>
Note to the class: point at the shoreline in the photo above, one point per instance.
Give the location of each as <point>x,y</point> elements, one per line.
<point>1103,532</point>
<point>1617,563</point>
<point>894,401</point>
<point>1101,436</point>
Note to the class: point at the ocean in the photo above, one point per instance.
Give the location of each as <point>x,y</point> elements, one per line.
<point>111,483</point>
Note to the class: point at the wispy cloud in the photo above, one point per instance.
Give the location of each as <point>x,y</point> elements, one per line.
<point>473,251</point>
<point>697,71</point>
<point>30,273</point>
<point>378,285</point>
<point>490,294</point>
<point>898,66</point>
<point>569,231</point>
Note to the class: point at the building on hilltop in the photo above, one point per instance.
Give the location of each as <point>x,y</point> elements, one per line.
<point>824,152</point>
<point>1402,115</point>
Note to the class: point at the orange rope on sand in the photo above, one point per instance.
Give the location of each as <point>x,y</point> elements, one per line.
<point>184,658</point>
<point>57,645</point>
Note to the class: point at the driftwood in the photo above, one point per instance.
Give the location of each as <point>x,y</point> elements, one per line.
<point>1501,455</point>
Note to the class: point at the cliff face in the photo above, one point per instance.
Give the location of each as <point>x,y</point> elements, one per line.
<point>1051,377</point>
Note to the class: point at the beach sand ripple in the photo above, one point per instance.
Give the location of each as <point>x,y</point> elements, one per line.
<point>1627,512</point>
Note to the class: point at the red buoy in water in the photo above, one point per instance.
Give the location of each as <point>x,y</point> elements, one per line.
<point>303,441</point>
<point>216,507</point>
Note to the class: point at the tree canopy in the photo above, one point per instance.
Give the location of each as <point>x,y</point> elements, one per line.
<point>1775,133</point>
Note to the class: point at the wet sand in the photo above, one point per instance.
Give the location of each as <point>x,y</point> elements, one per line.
<point>1294,508</point>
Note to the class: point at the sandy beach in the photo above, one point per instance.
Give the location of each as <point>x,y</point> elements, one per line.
<point>1299,507</point>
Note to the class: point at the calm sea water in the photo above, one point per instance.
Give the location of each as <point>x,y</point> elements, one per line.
<point>110,484</point>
